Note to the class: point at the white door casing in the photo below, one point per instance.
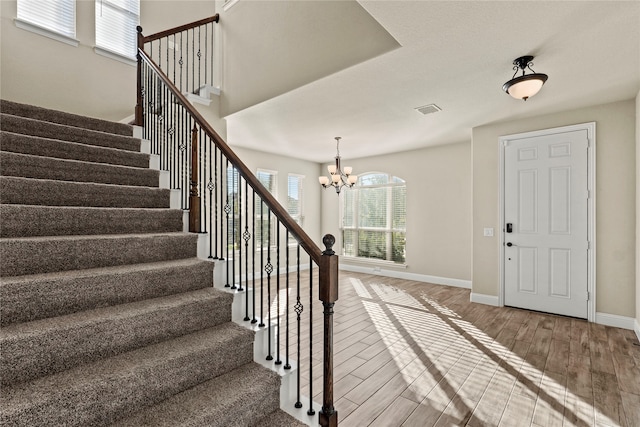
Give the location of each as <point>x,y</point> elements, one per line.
<point>546,262</point>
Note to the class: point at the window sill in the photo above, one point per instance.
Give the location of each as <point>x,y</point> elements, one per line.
<point>28,26</point>
<point>373,262</point>
<point>113,55</point>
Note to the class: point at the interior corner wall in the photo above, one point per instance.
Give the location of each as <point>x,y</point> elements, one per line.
<point>41,71</point>
<point>438,209</point>
<point>615,200</point>
<point>637,325</point>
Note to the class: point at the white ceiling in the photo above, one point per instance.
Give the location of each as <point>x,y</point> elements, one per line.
<point>456,54</point>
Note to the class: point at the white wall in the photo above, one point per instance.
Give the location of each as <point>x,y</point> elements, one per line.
<point>48,73</point>
<point>615,200</point>
<point>438,210</point>
<point>272,47</point>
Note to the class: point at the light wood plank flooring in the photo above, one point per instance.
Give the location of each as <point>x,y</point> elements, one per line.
<point>415,354</point>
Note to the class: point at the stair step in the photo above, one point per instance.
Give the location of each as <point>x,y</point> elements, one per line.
<point>33,127</point>
<point>33,220</point>
<point>34,349</point>
<point>69,119</point>
<point>101,392</point>
<point>237,398</point>
<point>29,166</point>
<point>36,255</point>
<point>47,147</point>
<point>33,297</point>
<point>48,192</point>
<point>279,418</point>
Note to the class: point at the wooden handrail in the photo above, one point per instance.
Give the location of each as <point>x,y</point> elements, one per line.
<point>278,210</point>
<point>179,29</point>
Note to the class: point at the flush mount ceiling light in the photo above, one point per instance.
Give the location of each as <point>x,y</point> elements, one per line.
<point>338,177</point>
<point>524,86</point>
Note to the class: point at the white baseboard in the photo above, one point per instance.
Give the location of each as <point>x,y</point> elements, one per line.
<point>459,283</point>
<point>616,321</point>
<point>485,299</point>
<point>636,328</point>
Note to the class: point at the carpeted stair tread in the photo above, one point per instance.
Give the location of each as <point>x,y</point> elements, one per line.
<point>33,220</point>
<point>38,296</point>
<point>279,418</point>
<point>48,147</point>
<point>101,392</point>
<point>47,192</point>
<point>36,255</point>
<point>29,166</point>
<point>42,347</point>
<point>26,126</point>
<point>235,399</point>
<point>69,119</point>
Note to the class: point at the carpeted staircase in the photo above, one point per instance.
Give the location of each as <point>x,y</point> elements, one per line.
<point>107,316</point>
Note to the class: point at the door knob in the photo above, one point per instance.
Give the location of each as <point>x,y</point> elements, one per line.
<point>510,244</point>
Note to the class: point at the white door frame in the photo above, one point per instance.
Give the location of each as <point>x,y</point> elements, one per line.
<point>591,206</point>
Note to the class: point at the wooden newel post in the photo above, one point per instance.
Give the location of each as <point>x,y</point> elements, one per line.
<point>194,198</point>
<point>139,111</point>
<point>328,296</point>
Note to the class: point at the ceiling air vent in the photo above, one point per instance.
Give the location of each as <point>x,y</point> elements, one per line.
<point>428,109</point>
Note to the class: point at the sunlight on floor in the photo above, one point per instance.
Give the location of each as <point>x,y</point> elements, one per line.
<point>438,352</point>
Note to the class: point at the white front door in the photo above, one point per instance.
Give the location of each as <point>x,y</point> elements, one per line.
<point>546,222</point>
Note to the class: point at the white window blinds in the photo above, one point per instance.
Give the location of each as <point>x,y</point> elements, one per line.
<point>58,16</point>
<point>294,197</point>
<point>374,217</point>
<point>116,22</point>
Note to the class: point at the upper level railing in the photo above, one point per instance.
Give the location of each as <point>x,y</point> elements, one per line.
<point>247,227</point>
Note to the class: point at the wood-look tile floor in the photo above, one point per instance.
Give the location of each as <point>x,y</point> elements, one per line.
<point>415,354</point>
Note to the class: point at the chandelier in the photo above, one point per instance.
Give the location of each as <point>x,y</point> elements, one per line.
<point>524,86</point>
<point>338,177</point>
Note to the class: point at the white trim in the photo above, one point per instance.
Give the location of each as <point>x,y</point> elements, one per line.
<point>636,328</point>
<point>485,299</point>
<point>590,127</point>
<point>228,4</point>
<point>114,55</point>
<point>46,32</point>
<point>459,283</point>
<point>616,321</point>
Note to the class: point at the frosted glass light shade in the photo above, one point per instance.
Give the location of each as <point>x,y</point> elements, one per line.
<point>331,169</point>
<point>352,179</point>
<point>323,180</point>
<point>524,87</point>
<point>348,170</point>
<point>335,178</point>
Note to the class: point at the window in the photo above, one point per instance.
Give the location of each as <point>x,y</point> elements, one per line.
<point>51,18</point>
<point>294,199</point>
<point>374,218</point>
<point>265,227</point>
<point>116,22</point>
<point>232,201</point>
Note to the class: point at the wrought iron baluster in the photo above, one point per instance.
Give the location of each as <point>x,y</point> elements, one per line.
<point>269,270</point>
<point>286,345</point>
<point>253,258</point>
<point>227,210</point>
<point>311,411</point>
<point>221,189</point>
<point>261,263</point>
<point>278,361</point>
<point>211,186</point>
<point>298,308</point>
<point>199,54</point>
<point>233,226</point>
<point>181,62</point>
<point>236,229</point>
<point>246,236</point>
